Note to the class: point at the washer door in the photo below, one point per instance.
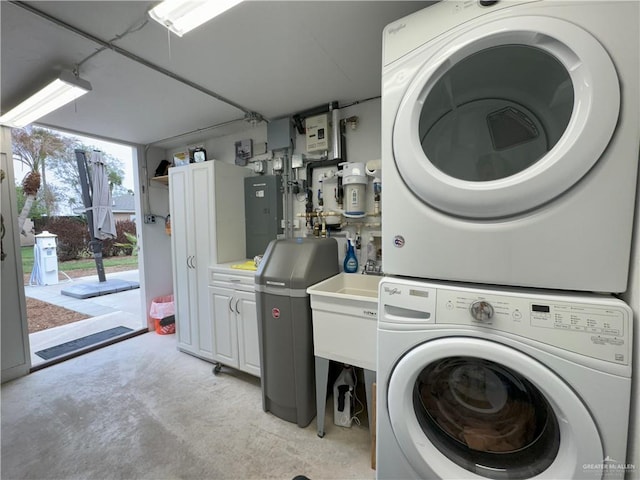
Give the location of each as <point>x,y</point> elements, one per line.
<point>505,117</point>
<point>470,408</point>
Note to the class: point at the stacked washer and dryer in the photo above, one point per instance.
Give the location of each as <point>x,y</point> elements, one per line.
<point>510,136</point>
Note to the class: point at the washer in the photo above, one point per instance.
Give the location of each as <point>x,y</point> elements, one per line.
<point>477,383</point>
<point>510,143</point>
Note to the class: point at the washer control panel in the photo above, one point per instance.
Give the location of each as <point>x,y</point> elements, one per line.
<point>592,325</point>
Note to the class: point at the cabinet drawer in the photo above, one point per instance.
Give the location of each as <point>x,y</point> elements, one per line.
<point>231,280</point>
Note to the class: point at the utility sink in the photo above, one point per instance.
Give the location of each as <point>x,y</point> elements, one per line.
<point>345,318</point>
<point>348,285</point>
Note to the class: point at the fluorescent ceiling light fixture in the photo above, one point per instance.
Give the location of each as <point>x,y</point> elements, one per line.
<point>61,91</point>
<point>181,16</point>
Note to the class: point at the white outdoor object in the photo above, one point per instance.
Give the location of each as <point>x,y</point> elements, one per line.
<point>45,265</point>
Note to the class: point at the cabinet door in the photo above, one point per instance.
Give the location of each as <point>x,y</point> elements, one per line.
<point>248,340</point>
<point>202,244</point>
<point>225,332</point>
<point>179,200</point>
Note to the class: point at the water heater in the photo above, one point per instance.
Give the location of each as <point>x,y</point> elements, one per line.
<point>317,129</point>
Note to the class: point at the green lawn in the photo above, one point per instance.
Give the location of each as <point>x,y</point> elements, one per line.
<point>86,263</point>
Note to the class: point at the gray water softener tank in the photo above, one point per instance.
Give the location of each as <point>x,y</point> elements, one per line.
<point>284,323</point>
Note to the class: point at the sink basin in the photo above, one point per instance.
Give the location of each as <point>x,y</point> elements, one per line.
<point>346,285</point>
<point>345,313</point>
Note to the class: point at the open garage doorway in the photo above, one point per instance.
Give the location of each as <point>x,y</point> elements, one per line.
<point>56,255</point>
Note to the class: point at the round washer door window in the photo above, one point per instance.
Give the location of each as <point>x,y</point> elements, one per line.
<point>484,410</point>
<point>506,117</point>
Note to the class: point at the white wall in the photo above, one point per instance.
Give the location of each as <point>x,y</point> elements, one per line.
<point>155,244</point>
<point>362,145</point>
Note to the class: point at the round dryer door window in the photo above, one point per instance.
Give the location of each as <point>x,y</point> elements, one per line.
<point>506,117</point>
<point>486,418</point>
<point>471,408</point>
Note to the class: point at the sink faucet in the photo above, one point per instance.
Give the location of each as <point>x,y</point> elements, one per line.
<point>372,268</point>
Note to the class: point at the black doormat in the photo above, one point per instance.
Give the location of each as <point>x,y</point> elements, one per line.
<point>79,343</point>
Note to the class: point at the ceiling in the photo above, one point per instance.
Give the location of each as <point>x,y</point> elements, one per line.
<point>274,58</point>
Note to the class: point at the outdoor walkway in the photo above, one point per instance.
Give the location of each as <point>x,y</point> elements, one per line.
<point>107,311</point>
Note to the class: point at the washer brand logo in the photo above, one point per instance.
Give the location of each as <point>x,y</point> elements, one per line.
<point>394,30</point>
<point>370,313</point>
<point>392,290</point>
<point>609,466</point>
<point>275,312</point>
<point>398,241</point>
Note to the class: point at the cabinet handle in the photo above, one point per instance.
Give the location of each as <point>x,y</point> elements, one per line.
<point>237,311</point>
<point>230,299</point>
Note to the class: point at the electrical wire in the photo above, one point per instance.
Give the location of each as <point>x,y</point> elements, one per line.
<point>133,28</point>
<point>358,102</point>
<point>354,417</point>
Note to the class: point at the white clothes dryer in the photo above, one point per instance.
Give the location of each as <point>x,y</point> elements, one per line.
<point>510,137</point>
<point>480,383</point>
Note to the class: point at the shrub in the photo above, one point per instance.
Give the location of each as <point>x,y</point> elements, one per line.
<point>121,245</point>
<point>73,236</point>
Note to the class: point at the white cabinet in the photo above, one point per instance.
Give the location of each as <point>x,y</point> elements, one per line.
<point>232,301</point>
<point>206,202</point>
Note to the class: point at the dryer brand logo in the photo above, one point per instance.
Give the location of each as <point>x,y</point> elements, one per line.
<point>395,29</point>
<point>275,312</point>
<point>398,241</point>
<point>370,313</point>
<point>392,291</point>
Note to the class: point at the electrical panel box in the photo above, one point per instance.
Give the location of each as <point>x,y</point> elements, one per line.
<point>317,133</point>
<point>263,212</point>
<point>280,134</point>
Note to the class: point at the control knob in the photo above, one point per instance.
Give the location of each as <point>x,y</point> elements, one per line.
<point>481,311</point>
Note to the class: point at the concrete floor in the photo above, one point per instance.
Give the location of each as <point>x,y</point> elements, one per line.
<point>140,409</point>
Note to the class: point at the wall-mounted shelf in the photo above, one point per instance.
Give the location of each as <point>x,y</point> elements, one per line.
<point>164,179</point>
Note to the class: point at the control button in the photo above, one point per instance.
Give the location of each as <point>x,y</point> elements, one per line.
<point>517,314</point>
<point>481,311</point>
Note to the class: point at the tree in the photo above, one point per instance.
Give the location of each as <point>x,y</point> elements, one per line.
<point>37,209</point>
<point>32,146</point>
<point>66,170</point>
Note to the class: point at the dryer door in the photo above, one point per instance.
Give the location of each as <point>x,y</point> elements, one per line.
<point>505,117</point>
<point>469,408</point>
